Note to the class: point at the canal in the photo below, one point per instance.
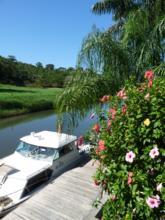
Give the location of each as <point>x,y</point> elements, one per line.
<point>12,129</point>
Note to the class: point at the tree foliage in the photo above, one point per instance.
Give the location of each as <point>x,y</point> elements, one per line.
<point>18,73</point>
<point>85,84</point>
<point>134,43</point>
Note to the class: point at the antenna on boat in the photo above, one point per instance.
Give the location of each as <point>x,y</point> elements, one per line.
<point>59,124</point>
<point>59,128</point>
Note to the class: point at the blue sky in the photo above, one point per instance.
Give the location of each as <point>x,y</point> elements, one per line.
<point>49,31</point>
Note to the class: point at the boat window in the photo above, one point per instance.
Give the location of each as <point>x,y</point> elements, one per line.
<point>56,155</point>
<point>43,153</point>
<point>66,149</point>
<point>24,148</point>
<point>36,152</point>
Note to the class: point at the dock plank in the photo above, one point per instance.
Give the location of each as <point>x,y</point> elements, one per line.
<point>68,197</point>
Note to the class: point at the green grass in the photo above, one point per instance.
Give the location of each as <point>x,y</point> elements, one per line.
<point>16,100</point>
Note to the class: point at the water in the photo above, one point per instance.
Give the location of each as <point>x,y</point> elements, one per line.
<point>12,129</point>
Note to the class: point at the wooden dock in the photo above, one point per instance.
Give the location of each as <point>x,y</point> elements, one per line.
<point>68,197</point>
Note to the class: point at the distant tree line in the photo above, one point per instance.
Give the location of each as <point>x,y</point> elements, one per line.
<point>23,74</point>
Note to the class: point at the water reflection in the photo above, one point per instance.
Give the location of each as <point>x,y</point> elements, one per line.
<point>14,128</point>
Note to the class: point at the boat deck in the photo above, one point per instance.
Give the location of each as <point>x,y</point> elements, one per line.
<point>68,197</point>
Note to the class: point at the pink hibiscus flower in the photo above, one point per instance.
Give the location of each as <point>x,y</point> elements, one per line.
<point>130,156</point>
<point>154,152</point>
<point>101,142</point>
<point>101,147</point>
<point>149,74</point>
<point>153,202</point>
<point>122,94</point>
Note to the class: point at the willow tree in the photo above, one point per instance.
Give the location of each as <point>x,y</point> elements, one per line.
<point>134,43</point>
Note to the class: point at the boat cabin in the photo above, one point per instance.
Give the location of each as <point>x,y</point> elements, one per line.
<point>46,145</point>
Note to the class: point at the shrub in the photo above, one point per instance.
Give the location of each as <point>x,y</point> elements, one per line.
<point>130,149</point>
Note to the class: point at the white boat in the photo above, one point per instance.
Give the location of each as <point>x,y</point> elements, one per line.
<point>38,158</point>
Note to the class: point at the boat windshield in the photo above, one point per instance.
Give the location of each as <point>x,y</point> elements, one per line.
<point>36,152</point>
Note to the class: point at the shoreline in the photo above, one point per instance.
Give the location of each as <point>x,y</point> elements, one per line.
<point>16,101</point>
<point>23,113</point>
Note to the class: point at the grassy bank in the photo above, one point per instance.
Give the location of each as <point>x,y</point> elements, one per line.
<point>20,100</point>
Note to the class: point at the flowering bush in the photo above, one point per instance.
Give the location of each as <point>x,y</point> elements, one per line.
<point>129,145</point>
